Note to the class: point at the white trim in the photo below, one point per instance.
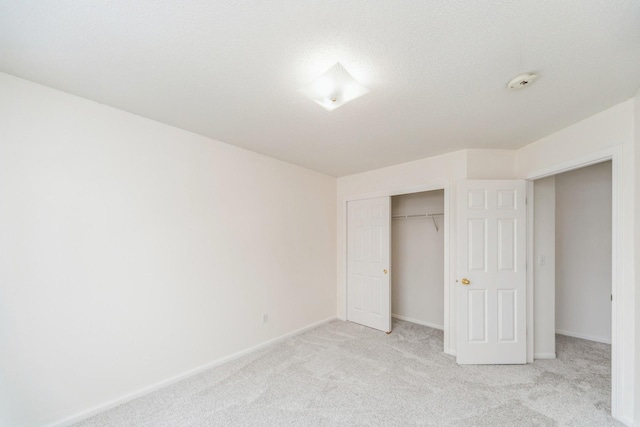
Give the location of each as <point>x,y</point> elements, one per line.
<point>429,186</point>
<point>418,322</point>
<point>617,277</point>
<point>615,155</point>
<point>530,273</point>
<point>83,415</point>
<point>448,275</point>
<point>439,184</point>
<point>583,336</point>
<point>626,421</point>
<point>544,356</point>
<point>580,162</point>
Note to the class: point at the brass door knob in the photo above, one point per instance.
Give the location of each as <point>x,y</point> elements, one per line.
<point>465,281</point>
<point>385,271</point>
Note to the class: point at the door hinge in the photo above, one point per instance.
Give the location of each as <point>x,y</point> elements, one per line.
<point>611,297</point>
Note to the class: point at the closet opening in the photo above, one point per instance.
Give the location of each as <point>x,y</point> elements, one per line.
<point>417,258</point>
<point>572,274</point>
<point>414,285</point>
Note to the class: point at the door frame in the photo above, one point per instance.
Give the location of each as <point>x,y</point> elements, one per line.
<point>428,186</point>
<point>614,155</point>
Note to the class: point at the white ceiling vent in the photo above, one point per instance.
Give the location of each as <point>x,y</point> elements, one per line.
<point>523,80</point>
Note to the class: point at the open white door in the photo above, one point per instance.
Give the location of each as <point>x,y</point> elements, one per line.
<point>368,262</point>
<point>491,267</point>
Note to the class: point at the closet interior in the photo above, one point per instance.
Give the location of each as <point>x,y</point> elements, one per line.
<point>572,256</point>
<point>417,258</point>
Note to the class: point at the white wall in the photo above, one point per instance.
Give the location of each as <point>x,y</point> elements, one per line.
<point>113,227</point>
<point>491,164</point>
<point>417,259</point>
<point>544,286</point>
<point>609,131</point>
<point>583,253</point>
<point>131,252</point>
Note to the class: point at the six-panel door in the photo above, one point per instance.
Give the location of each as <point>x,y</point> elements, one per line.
<point>492,260</point>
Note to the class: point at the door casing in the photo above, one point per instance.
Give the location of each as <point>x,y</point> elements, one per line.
<point>614,155</point>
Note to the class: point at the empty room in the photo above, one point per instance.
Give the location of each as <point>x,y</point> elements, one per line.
<point>243,213</point>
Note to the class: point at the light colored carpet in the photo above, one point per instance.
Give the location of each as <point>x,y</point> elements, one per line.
<point>343,374</point>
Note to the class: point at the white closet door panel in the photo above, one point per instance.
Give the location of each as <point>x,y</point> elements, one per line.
<point>368,261</point>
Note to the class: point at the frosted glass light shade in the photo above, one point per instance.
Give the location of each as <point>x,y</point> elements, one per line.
<point>334,88</point>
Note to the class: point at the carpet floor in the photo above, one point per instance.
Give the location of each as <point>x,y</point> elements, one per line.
<point>343,374</point>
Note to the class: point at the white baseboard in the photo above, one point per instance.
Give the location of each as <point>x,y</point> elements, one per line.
<point>419,322</point>
<point>544,355</point>
<point>583,336</point>
<point>626,421</point>
<point>83,415</point>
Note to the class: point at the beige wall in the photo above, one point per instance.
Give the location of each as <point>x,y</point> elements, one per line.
<point>133,252</point>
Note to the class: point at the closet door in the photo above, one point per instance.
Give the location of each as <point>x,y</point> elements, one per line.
<point>368,261</point>
<point>491,280</point>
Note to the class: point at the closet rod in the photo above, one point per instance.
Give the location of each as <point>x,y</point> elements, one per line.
<point>425,215</point>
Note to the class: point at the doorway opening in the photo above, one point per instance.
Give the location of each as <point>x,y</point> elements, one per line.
<point>364,234</point>
<point>417,258</point>
<point>573,270</point>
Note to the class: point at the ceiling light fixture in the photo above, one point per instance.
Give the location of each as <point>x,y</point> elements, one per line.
<point>523,80</point>
<point>334,88</point>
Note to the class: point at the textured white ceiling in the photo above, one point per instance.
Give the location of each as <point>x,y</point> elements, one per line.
<point>437,70</point>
